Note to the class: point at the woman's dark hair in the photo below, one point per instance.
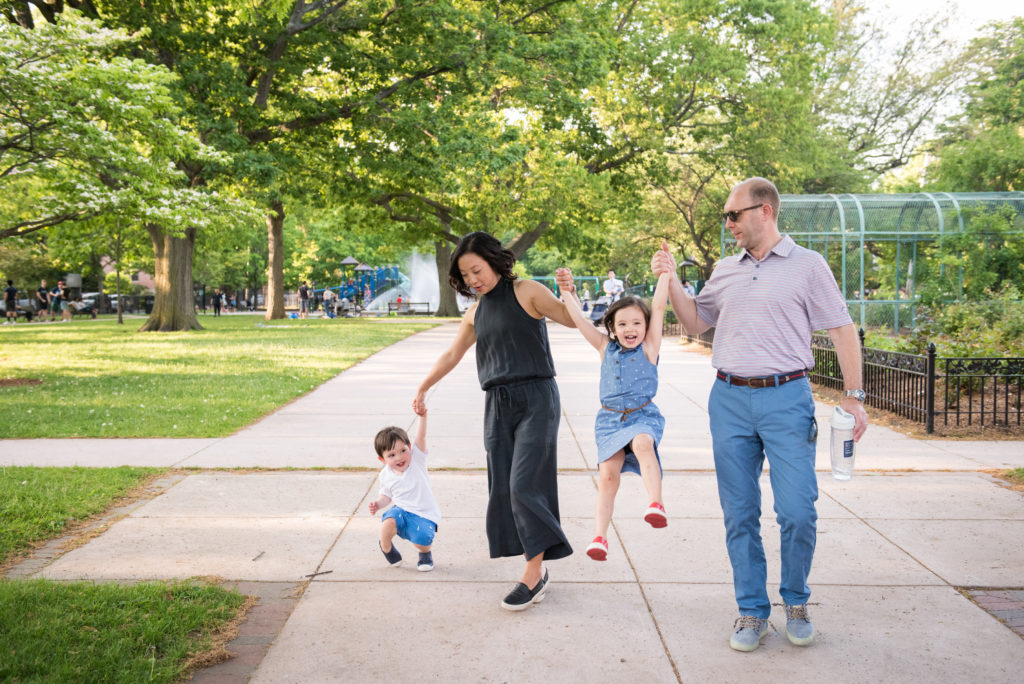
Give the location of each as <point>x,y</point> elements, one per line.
<point>609,315</point>
<point>488,248</point>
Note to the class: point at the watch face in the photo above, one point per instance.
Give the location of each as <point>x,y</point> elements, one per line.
<point>859,395</point>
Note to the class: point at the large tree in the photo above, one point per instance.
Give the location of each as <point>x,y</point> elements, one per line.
<point>272,82</point>
<point>983,149</point>
<point>87,133</point>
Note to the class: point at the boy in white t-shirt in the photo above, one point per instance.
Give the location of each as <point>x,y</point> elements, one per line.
<point>404,482</point>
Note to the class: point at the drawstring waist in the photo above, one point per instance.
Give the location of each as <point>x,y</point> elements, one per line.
<point>503,393</point>
<point>625,412</point>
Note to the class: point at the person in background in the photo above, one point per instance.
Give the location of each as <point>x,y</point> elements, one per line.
<point>11,303</point>
<point>303,300</point>
<point>41,300</point>
<point>612,287</point>
<point>65,303</point>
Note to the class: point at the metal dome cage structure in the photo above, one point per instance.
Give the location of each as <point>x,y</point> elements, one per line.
<point>883,249</point>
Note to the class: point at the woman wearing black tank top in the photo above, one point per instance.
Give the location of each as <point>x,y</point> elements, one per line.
<point>522,409</point>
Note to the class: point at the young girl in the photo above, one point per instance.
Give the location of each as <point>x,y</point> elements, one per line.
<point>628,426</point>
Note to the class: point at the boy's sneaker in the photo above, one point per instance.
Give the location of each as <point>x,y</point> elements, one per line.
<point>521,598</point>
<point>598,549</point>
<point>394,558</point>
<point>798,625</point>
<point>749,630</point>
<point>426,562</point>
<point>655,515</point>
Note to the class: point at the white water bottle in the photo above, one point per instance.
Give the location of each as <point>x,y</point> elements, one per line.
<point>842,444</point>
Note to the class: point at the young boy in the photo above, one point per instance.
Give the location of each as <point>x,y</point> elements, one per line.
<point>404,482</point>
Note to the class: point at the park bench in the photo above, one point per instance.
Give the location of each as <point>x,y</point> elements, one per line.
<point>409,308</point>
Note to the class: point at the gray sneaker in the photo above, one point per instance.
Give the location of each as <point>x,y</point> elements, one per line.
<point>749,630</point>
<point>798,625</point>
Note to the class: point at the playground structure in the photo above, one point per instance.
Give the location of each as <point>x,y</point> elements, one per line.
<point>878,246</point>
<point>386,284</point>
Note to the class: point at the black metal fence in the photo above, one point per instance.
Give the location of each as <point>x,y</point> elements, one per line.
<point>924,388</point>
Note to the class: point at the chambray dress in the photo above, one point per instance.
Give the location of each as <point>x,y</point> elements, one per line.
<point>628,380</point>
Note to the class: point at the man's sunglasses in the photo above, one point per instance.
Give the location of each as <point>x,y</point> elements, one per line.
<point>734,216</point>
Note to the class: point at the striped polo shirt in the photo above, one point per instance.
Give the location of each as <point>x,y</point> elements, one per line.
<point>764,312</point>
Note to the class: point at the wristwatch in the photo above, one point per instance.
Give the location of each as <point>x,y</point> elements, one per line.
<point>857,394</point>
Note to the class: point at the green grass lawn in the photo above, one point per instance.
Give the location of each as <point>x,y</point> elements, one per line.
<point>79,632</point>
<point>58,632</point>
<point>1015,475</point>
<point>39,503</point>
<point>99,379</point>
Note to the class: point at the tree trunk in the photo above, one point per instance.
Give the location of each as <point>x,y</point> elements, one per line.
<point>447,304</point>
<point>275,261</point>
<point>173,308</point>
<point>521,244</point>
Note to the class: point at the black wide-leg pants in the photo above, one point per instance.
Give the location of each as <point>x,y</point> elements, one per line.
<point>521,437</point>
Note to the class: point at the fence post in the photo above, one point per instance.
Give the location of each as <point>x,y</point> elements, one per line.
<point>930,391</point>
<point>863,365</point>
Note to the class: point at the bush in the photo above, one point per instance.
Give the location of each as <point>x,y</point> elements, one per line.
<point>990,328</point>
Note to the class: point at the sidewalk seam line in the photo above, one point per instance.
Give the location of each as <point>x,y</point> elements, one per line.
<point>643,594</point>
<point>883,536</point>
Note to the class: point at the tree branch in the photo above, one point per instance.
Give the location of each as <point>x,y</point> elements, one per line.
<point>271,132</point>
<point>26,227</point>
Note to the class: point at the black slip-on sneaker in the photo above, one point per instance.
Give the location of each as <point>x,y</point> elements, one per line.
<point>393,557</point>
<point>426,562</point>
<point>521,598</point>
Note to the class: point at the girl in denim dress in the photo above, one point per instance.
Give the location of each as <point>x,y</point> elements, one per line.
<point>628,426</point>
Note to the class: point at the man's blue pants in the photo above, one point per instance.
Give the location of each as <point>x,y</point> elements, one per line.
<point>748,424</point>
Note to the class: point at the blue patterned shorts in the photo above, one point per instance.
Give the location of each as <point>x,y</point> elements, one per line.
<point>412,527</point>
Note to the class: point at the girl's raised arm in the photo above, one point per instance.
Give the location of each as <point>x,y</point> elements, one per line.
<point>595,337</point>
<point>652,341</point>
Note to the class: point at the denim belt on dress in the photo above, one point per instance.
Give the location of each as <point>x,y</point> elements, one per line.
<point>761,381</point>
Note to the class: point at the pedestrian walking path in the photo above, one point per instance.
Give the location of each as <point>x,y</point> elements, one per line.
<point>900,545</point>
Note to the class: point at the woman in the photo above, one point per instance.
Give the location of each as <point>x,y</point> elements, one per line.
<point>522,408</point>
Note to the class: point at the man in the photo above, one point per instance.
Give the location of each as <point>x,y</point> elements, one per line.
<point>303,300</point>
<point>55,300</point>
<point>11,303</point>
<point>215,301</point>
<point>64,301</point>
<point>329,298</point>
<point>764,303</point>
<point>612,287</point>
<point>688,289</point>
<point>41,300</point>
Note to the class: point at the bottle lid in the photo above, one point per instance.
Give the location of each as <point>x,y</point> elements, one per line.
<point>841,420</point>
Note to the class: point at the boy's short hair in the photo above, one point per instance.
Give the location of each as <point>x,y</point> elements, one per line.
<point>387,437</point>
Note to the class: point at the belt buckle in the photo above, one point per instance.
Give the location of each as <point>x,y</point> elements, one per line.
<point>758,383</point>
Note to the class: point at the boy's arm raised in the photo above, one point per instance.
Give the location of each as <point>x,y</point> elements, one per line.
<point>421,431</point>
<point>652,341</point>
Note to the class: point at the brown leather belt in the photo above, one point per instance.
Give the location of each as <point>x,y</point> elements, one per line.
<point>762,381</point>
<point>625,414</point>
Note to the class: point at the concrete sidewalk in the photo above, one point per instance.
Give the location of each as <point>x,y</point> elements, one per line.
<point>920,521</point>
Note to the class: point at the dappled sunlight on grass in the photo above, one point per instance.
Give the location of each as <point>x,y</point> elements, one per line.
<point>100,380</point>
